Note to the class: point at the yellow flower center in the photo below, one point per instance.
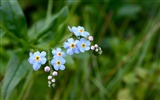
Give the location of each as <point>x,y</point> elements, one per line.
<point>58,63</point>
<point>83,45</point>
<point>37,58</point>
<point>81,30</point>
<point>72,45</point>
<point>59,54</point>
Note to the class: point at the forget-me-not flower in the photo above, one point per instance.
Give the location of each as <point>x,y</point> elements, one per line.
<point>79,31</point>
<point>71,46</point>
<point>58,52</point>
<point>58,63</point>
<point>83,45</point>
<point>37,59</point>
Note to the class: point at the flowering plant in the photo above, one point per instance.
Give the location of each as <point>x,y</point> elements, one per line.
<point>79,43</point>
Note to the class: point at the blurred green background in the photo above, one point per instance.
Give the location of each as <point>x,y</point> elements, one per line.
<point>128,32</point>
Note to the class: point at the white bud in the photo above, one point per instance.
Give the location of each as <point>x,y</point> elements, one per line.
<point>49,77</point>
<point>92,47</point>
<point>90,38</point>
<point>49,82</point>
<point>47,69</point>
<point>55,73</point>
<point>96,50</point>
<point>53,80</point>
<point>53,85</point>
<point>96,45</point>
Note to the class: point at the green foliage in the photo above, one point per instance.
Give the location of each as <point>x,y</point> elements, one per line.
<point>13,19</point>
<point>128,33</point>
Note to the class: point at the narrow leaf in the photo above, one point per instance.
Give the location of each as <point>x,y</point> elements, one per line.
<point>2,32</point>
<point>12,18</point>
<point>41,27</point>
<point>17,70</point>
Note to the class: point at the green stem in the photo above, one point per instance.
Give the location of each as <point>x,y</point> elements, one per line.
<point>40,48</point>
<point>49,62</point>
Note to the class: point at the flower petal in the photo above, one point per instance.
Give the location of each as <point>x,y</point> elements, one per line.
<point>43,60</point>
<point>62,61</point>
<point>70,51</point>
<point>53,62</point>
<point>63,54</point>
<point>31,60</point>
<point>56,67</point>
<point>76,50</point>
<point>37,53</point>
<point>87,48</point>
<point>70,40</point>
<point>53,51</point>
<point>86,33</point>
<point>81,49</point>
<point>65,44</point>
<point>58,49</point>
<point>30,54</point>
<point>62,67</point>
<point>43,54</point>
<point>36,66</point>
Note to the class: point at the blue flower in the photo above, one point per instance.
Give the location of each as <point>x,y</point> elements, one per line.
<point>37,59</point>
<point>78,31</point>
<point>58,52</point>
<point>83,45</point>
<point>58,63</point>
<point>71,46</point>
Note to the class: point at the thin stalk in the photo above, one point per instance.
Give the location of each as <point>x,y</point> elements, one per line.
<point>40,48</point>
<point>49,62</point>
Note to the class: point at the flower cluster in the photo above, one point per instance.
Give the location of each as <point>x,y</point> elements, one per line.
<point>58,60</point>
<point>51,79</point>
<point>81,42</point>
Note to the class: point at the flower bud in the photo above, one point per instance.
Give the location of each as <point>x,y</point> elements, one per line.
<point>92,47</point>
<point>53,85</point>
<point>90,38</point>
<point>49,83</point>
<point>47,69</point>
<point>49,77</point>
<point>96,45</point>
<point>53,80</point>
<point>55,73</point>
<point>96,50</point>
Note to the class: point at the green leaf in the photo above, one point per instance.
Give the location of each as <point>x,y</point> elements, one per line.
<point>129,10</point>
<point>13,18</point>
<point>44,26</point>
<point>2,32</point>
<point>17,70</point>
